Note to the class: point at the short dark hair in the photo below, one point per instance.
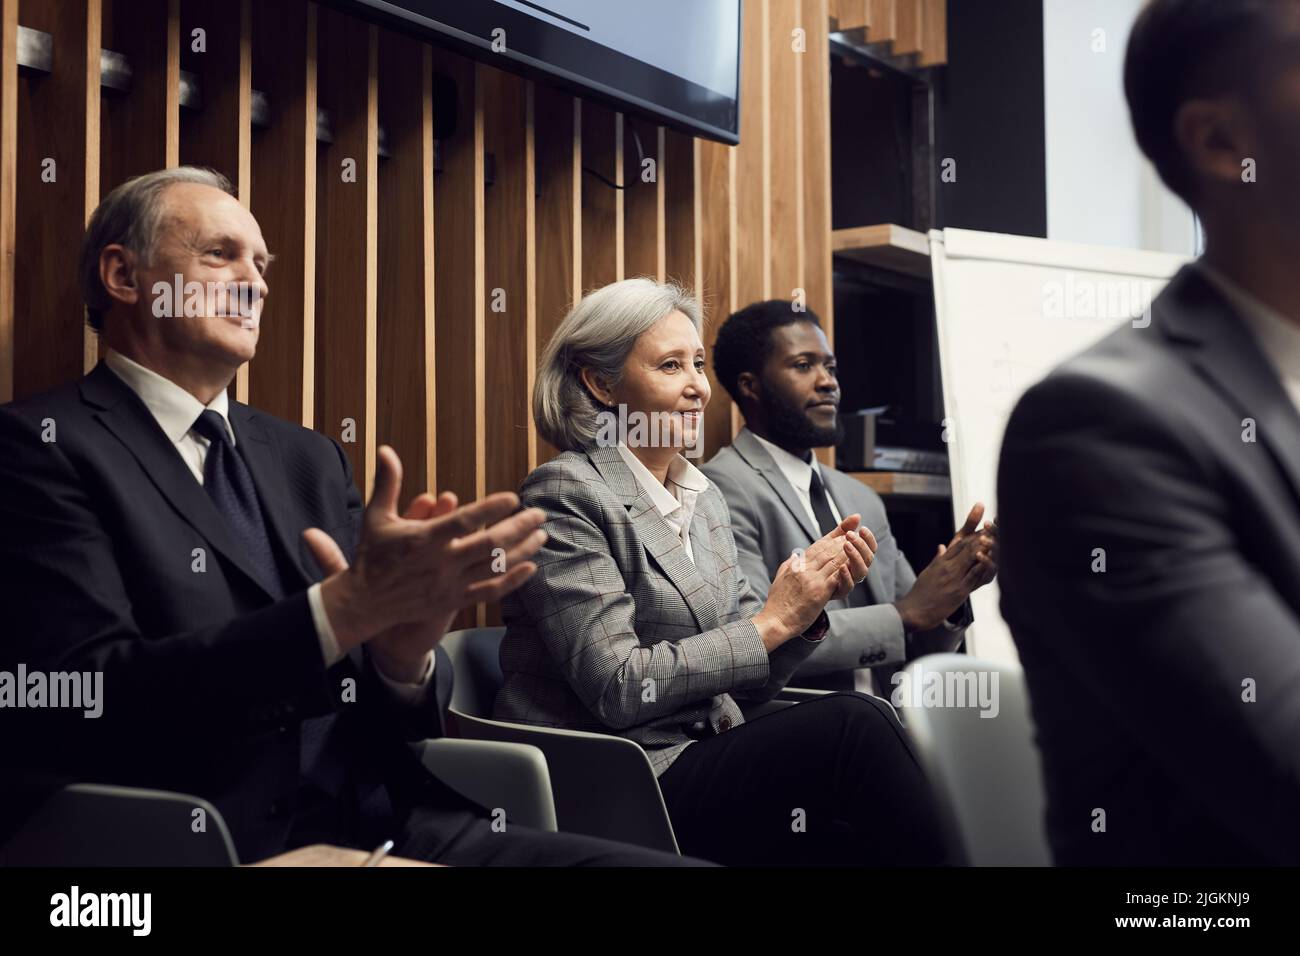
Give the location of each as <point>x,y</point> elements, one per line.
<point>744,342</point>
<point>1184,49</point>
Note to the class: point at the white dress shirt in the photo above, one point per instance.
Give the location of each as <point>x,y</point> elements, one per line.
<point>1278,336</point>
<point>676,500</point>
<point>799,473</point>
<point>176,411</point>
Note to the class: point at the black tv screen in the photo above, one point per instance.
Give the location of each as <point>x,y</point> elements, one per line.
<point>676,61</point>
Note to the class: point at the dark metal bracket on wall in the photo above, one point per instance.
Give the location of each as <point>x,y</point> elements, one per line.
<point>36,58</point>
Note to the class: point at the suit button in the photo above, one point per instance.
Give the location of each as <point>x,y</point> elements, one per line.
<point>865,659</point>
<point>724,724</point>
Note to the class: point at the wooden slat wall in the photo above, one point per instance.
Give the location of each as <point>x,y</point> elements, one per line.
<point>850,14</point>
<point>8,188</point>
<point>459,289</point>
<point>602,196</point>
<point>382,290</point>
<point>220,134</point>
<point>58,120</point>
<point>509,212</point>
<point>282,377</point>
<point>139,130</point>
<point>643,202</point>
<point>882,17</point>
<point>557,136</point>
<point>934,32</point>
<point>908,20</point>
<point>406,415</point>
<point>346,239</point>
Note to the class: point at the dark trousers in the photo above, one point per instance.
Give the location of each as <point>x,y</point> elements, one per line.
<point>461,836</point>
<point>471,841</point>
<point>828,781</point>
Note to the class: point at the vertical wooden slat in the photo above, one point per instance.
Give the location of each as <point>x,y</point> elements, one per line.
<point>459,297</point>
<point>508,223</point>
<point>140,128</point>
<point>934,32</point>
<point>58,120</point>
<point>787,149</point>
<point>908,39</point>
<point>406,413</point>
<point>816,171</point>
<point>883,18</point>
<point>602,204</point>
<point>753,254</point>
<point>8,187</point>
<point>849,14</point>
<point>815,178</point>
<point>459,289</point>
<point>347,198</point>
<point>716,269</point>
<point>557,134</point>
<point>219,133</point>
<point>283,199</point>
<point>510,329</point>
<point>643,202</point>
<point>679,172</point>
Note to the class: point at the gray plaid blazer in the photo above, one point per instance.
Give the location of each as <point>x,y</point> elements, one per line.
<point>618,631</point>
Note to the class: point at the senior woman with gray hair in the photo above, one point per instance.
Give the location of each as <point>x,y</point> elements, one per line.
<point>640,622</point>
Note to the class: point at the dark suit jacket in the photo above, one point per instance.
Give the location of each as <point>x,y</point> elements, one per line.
<point>1166,688</point>
<point>210,686</point>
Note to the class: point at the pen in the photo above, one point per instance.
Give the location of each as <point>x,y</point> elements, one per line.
<point>379,853</point>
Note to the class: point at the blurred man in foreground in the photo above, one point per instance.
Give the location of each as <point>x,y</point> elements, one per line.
<point>1150,487</point>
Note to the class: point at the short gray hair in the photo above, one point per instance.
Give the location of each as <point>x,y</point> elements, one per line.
<point>599,333</point>
<point>130,216</point>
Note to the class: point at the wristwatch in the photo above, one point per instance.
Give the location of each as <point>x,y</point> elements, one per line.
<point>817,630</point>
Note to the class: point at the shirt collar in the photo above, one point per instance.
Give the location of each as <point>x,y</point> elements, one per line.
<point>175,409</point>
<point>1278,337</point>
<point>797,471</point>
<point>682,475</point>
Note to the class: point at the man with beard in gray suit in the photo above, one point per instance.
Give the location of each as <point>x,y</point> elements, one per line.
<point>778,367</point>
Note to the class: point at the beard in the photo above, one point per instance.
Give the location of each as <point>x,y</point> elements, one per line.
<point>790,427</point>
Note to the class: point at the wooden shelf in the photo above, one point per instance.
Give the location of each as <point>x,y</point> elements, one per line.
<point>905,484</point>
<point>885,247</point>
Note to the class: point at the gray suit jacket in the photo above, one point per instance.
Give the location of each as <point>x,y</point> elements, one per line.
<point>769,523</point>
<point>618,631</point>
<point>1165,684</point>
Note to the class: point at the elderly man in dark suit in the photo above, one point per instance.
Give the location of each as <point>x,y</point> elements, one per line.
<point>1150,487</point>
<point>195,552</point>
<point>777,365</point>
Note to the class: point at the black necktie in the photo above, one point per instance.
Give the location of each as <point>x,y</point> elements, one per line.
<point>230,486</point>
<point>821,507</point>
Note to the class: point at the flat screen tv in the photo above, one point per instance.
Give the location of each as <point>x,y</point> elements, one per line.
<point>676,61</point>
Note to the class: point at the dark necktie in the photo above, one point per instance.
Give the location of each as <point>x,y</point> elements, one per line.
<point>821,507</point>
<point>230,486</point>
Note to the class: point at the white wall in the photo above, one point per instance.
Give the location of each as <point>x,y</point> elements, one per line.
<point>1100,188</point>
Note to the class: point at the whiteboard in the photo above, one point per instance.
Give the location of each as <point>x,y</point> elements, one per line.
<point>1009,309</point>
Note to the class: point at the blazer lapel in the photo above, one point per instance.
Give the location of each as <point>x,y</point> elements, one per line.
<point>748,448</point>
<point>123,413</point>
<point>262,454</point>
<point>658,537</point>
<point>1193,311</point>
